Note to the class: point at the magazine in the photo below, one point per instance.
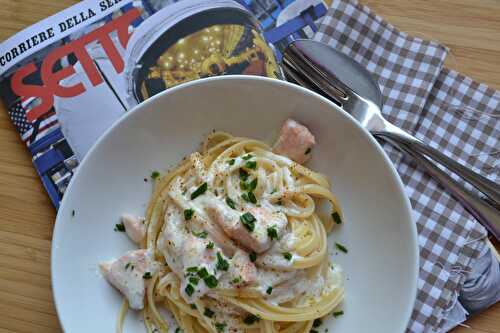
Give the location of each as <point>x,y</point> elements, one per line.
<point>68,78</point>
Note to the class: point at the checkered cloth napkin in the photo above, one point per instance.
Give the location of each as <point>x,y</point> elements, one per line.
<point>446,110</point>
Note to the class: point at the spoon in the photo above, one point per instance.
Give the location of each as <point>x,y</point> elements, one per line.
<point>317,66</point>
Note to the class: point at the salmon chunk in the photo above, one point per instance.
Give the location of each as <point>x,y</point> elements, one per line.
<point>129,274</point>
<point>134,227</point>
<point>295,141</point>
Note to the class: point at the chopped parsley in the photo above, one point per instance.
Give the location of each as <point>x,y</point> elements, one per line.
<point>201,234</point>
<point>188,214</point>
<point>155,174</point>
<point>210,245</point>
<point>243,175</point>
<point>341,247</point>
<point>231,161</point>
<point>252,256</point>
<point>308,150</point>
<point>252,185</point>
<point>230,203</point>
<point>250,319</point>
<point>193,306</point>
<point>313,331</point>
<point>202,273</point>
<point>208,313</point>
<point>269,290</point>
<point>338,313</point>
<point>336,218</point>
<point>272,232</point>
<point>247,157</point>
<point>236,280</point>
<point>147,276</point>
<point>211,281</point>
<point>287,256</point>
<point>248,220</point>
<point>178,330</point>
<point>194,280</point>
<point>127,265</point>
<point>120,227</point>
<point>220,326</point>
<point>249,197</point>
<point>317,322</point>
<point>192,269</point>
<point>189,290</point>
<point>251,165</point>
<point>222,264</point>
<point>199,191</point>
<point>243,186</point>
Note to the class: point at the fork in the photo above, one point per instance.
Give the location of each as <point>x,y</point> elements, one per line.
<point>305,62</point>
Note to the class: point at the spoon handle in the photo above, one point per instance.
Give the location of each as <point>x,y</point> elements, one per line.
<point>486,211</point>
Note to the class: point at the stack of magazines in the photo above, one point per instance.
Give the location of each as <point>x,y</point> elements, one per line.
<point>67,79</point>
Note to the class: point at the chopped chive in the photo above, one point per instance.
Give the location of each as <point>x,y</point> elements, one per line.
<point>73,213</point>
<point>247,157</point>
<point>210,245</point>
<point>193,306</point>
<point>338,313</point>
<point>231,161</point>
<point>269,290</point>
<point>252,185</point>
<point>127,265</point>
<point>194,280</point>
<point>211,281</point>
<point>248,220</point>
<point>341,247</point>
<point>178,330</point>
<point>243,175</point>
<point>308,150</point>
<point>201,234</point>
<point>317,322</point>
<point>287,256</point>
<point>251,165</point>
<point>250,319</point>
<point>222,264</point>
<point>120,227</point>
<point>189,290</point>
<point>208,313</point>
<point>252,256</point>
<point>147,276</point>
<point>155,174</point>
<point>313,331</point>
<point>188,214</point>
<point>199,191</point>
<point>203,273</point>
<point>192,269</point>
<point>336,217</point>
<point>220,326</point>
<point>272,232</point>
<point>230,203</point>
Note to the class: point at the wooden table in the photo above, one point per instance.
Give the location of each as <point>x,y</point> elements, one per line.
<point>470,28</point>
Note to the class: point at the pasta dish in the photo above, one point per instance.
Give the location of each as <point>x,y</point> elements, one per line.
<point>233,240</point>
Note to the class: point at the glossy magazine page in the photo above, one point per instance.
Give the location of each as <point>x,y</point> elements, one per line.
<point>65,80</point>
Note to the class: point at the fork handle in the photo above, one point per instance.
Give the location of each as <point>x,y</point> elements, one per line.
<point>487,212</point>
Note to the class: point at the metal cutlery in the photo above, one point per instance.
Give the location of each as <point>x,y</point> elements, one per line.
<point>310,64</point>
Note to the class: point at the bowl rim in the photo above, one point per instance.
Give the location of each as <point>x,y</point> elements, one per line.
<point>207,81</point>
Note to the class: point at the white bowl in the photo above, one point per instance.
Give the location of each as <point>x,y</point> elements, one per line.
<point>382,264</point>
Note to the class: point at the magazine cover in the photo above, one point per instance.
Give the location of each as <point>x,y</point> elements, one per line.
<point>65,80</point>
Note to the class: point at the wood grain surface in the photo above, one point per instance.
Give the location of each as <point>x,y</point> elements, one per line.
<point>470,28</point>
